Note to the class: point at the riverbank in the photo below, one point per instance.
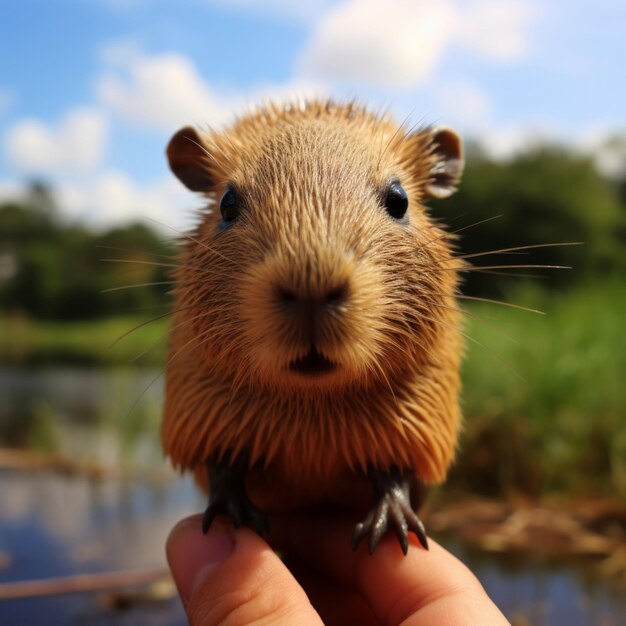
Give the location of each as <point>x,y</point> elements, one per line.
<point>122,340</point>
<point>588,533</point>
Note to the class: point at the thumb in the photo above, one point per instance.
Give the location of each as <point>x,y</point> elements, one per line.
<point>233,575</point>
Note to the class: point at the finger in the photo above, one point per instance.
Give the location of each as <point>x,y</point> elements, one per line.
<point>233,576</point>
<point>415,589</point>
<point>336,605</point>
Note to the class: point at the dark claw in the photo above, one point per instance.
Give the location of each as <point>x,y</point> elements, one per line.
<point>380,526</point>
<point>402,527</point>
<point>207,518</point>
<point>358,534</point>
<point>234,512</point>
<point>227,495</point>
<point>391,510</point>
<point>417,527</point>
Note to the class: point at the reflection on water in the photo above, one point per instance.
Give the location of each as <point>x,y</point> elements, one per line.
<point>110,416</point>
<point>53,525</point>
<point>544,595</point>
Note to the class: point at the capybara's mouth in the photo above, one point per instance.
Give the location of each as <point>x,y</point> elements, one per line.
<point>313,363</point>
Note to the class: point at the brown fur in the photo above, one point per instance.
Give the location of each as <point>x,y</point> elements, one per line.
<point>312,176</point>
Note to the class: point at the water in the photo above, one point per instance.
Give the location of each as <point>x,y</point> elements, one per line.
<point>55,525</point>
<point>51,525</point>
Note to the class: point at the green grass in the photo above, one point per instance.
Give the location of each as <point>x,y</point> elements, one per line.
<point>29,342</point>
<point>545,407</point>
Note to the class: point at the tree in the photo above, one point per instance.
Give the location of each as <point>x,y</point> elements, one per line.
<point>545,195</point>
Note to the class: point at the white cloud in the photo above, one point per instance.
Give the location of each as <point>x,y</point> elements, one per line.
<point>113,197</point>
<point>499,30</point>
<point>503,142</point>
<point>507,141</point>
<point>400,43</point>
<point>165,91</point>
<point>606,146</point>
<point>76,143</point>
<point>161,91</point>
<point>391,44</point>
<point>462,103</point>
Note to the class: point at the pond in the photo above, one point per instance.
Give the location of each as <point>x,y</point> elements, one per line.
<point>56,524</point>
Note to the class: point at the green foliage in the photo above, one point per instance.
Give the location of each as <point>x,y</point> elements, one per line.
<point>56,271</point>
<point>544,396</point>
<point>546,195</point>
<point>25,341</point>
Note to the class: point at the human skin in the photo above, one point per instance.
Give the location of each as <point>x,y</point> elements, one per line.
<point>232,576</point>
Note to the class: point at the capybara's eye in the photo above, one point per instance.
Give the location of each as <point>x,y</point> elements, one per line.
<point>396,201</point>
<point>230,205</point>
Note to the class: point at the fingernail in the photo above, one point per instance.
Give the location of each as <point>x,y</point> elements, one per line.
<point>192,555</point>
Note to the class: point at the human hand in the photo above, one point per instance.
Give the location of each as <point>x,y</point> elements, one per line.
<point>233,576</point>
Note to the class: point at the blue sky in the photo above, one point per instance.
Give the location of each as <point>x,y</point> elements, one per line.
<point>91,90</point>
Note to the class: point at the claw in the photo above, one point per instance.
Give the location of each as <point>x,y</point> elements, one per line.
<point>420,531</point>
<point>402,526</point>
<point>207,518</point>
<point>380,525</point>
<point>235,514</point>
<point>357,536</point>
<point>391,510</point>
<point>227,495</point>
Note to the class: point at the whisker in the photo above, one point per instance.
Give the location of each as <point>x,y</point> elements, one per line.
<point>162,371</point>
<point>512,274</point>
<point>487,219</point>
<point>501,302</point>
<point>478,318</point>
<point>170,257</point>
<point>167,333</point>
<point>200,270</point>
<point>479,268</point>
<point>460,296</point>
<point>181,350</point>
<point>179,283</point>
<point>139,262</point>
<point>459,230</point>
<point>137,285</point>
<point>478,343</point>
<point>200,243</point>
<point>147,307</point>
<point>150,321</point>
<point>517,248</point>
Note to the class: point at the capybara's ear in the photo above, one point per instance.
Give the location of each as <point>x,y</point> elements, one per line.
<point>190,160</point>
<point>447,162</point>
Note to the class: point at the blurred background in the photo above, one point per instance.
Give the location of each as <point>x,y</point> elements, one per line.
<point>91,91</point>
